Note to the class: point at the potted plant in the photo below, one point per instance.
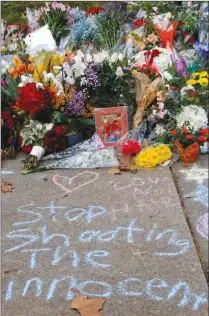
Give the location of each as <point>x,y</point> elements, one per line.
<point>188,142</point>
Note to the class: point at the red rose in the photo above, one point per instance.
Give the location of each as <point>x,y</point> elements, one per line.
<point>192,94</point>
<point>27,149</point>
<point>10,140</point>
<point>204,131</point>
<point>184,130</point>
<point>174,132</point>
<point>202,138</point>
<point>20,139</point>
<point>131,148</point>
<point>5,115</point>
<point>138,23</point>
<point>189,137</point>
<point>60,130</point>
<point>94,10</point>
<point>10,123</point>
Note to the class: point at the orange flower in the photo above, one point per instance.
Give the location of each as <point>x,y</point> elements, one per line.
<point>174,132</point>
<point>16,61</point>
<point>21,69</point>
<point>184,130</point>
<point>30,69</point>
<point>202,138</point>
<point>13,72</point>
<point>189,137</point>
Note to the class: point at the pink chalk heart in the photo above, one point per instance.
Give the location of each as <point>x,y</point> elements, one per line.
<point>202,226</point>
<point>69,184</point>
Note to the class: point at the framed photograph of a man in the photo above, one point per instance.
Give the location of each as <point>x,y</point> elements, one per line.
<point>111,124</point>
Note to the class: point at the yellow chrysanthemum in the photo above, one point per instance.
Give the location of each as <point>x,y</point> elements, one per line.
<point>204,74</point>
<point>203,81</point>
<point>147,158</point>
<point>164,152</point>
<point>192,82</point>
<point>195,75</point>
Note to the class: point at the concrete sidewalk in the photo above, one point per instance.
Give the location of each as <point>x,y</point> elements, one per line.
<point>192,184</point>
<point>124,238</point>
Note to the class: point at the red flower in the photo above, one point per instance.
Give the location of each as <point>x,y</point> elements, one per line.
<point>192,39</point>
<point>192,94</point>
<point>174,132</point>
<point>5,115</point>
<point>202,138</point>
<point>94,10</point>
<point>10,140</point>
<point>60,130</point>
<point>189,137</point>
<point>131,148</point>
<point>10,123</point>
<point>180,23</point>
<point>20,139</point>
<point>204,131</point>
<point>27,149</point>
<point>175,89</point>
<point>184,130</point>
<point>32,100</point>
<point>138,23</point>
<point>24,28</point>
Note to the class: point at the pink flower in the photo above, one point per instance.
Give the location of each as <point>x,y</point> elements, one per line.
<point>161,105</point>
<point>57,5</point>
<point>162,114</point>
<point>151,118</point>
<point>189,3</point>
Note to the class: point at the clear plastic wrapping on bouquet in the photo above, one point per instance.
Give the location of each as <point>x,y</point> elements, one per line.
<point>203,35</point>
<point>87,154</point>
<point>32,21</point>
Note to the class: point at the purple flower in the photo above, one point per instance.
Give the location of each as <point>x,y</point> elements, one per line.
<point>4,83</point>
<point>76,105</point>
<point>91,78</point>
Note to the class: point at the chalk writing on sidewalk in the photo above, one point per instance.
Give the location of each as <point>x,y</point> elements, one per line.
<point>36,238</point>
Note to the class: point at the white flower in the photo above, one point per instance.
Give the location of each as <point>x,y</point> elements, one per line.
<point>48,76</point>
<point>39,85</point>
<point>25,80</point>
<point>80,54</point>
<point>193,116</point>
<point>160,129</point>
<point>167,76</point>
<point>48,126</point>
<point>114,58</point>
<point>119,72</point>
<point>120,57</point>
<point>89,58</point>
<point>186,89</point>
<point>57,68</point>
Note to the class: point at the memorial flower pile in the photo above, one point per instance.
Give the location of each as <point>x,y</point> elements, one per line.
<point>106,57</point>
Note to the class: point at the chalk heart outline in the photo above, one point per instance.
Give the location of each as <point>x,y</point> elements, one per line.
<point>62,187</point>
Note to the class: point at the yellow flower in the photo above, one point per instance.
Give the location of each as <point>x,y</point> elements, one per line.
<point>147,158</point>
<point>164,152</point>
<point>192,82</point>
<point>195,75</point>
<point>134,73</point>
<point>203,81</point>
<point>203,74</point>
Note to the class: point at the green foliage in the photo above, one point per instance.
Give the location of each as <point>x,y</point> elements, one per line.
<point>110,27</point>
<point>15,12</point>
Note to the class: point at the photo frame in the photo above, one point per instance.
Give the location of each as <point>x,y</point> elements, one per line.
<point>111,124</point>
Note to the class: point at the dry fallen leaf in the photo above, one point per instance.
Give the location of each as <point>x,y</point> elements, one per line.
<point>125,162</point>
<point>74,290</point>
<point>145,143</point>
<point>185,165</point>
<point>88,306</point>
<point>6,187</point>
<point>12,270</point>
<point>114,171</point>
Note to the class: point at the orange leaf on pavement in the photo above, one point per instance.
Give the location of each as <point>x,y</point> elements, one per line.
<point>88,306</point>
<point>6,187</point>
<point>114,171</point>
